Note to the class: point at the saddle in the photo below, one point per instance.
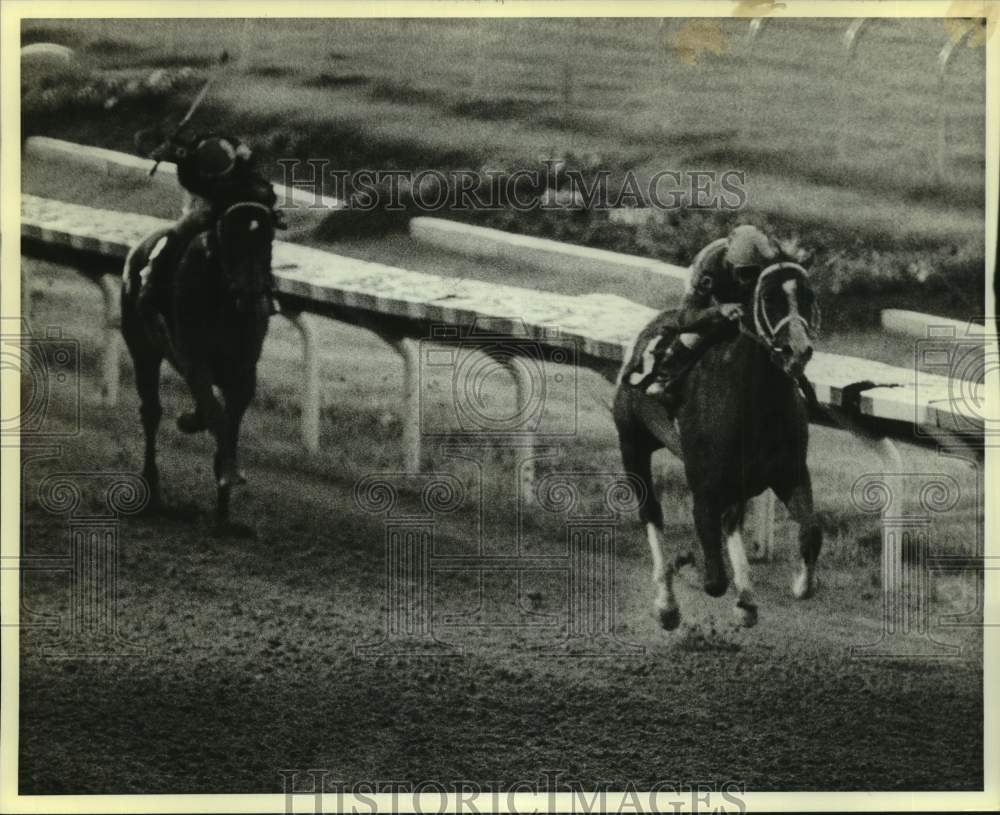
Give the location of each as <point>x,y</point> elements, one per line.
<point>653,343</point>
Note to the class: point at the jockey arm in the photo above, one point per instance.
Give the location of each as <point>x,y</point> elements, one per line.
<point>699,314</point>
<point>722,279</point>
<point>700,310</point>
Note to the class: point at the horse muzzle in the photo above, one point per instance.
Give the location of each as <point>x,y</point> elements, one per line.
<point>793,362</point>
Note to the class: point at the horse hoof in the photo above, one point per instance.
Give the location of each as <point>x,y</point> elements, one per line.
<point>803,588</point>
<point>233,479</point>
<point>670,618</point>
<point>746,614</point>
<point>190,422</point>
<point>716,588</point>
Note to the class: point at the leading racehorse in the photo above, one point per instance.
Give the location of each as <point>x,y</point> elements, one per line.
<point>211,330</point>
<point>741,428</point>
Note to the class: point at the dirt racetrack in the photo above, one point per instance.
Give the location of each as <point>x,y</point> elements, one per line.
<point>249,664</point>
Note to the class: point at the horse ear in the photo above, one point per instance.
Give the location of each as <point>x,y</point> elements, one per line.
<point>796,253</point>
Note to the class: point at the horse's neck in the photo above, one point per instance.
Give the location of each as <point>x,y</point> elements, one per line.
<point>757,359</point>
<point>198,270</point>
<point>741,365</point>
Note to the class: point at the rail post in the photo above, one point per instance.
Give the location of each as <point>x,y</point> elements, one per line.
<point>944,62</point>
<point>110,286</point>
<point>409,350</point>
<point>523,390</point>
<point>850,42</point>
<point>310,396</point>
<point>479,71</point>
<point>906,543</point>
<point>753,32</point>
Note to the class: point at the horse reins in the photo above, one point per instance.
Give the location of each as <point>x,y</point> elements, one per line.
<point>759,312</point>
<point>765,332</point>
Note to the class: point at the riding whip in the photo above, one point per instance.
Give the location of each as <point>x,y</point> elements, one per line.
<point>187,116</point>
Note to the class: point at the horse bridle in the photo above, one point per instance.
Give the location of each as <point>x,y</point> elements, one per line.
<point>266,210</point>
<point>265,219</point>
<point>765,329</point>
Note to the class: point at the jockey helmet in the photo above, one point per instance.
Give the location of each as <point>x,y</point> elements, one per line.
<point>748,252</point>
<point>215,156</point>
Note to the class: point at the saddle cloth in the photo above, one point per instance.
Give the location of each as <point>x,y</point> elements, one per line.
<point>649,345</point>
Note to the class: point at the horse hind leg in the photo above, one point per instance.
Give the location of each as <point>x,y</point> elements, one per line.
<point>199,382</point>
<point>636,459</point>
<point>147,360</point>
<point>746,602</point>
<point>799,501</point>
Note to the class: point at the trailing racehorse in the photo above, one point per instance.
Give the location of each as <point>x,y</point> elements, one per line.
<point>211,327</point>
<point>741,428</point>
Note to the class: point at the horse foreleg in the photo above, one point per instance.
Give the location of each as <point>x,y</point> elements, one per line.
<point>199,382</point>
<point>708,523</point>
<point>237,398</point>
<point>746,602</point>
<point>637,462</point>
<point>667,610</point>
<point>799,501</point>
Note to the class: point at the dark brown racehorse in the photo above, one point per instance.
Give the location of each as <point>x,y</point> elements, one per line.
<point>211,330</point>
<point>742,427</point>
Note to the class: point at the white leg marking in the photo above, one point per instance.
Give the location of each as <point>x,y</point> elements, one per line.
<point>746,604</point>
<point>738,558</point>
<point>656,549</point>
<point>663,579</point>
<point>804,585</point>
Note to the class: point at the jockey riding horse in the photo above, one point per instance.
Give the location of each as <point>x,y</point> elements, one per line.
<point>217,172</point>
<point>721,383</point>
<point>200,295</point>
<point>723,275</point>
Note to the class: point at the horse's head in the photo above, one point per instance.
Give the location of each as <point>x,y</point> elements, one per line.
<point>243,234</point>
<point>786,315</point>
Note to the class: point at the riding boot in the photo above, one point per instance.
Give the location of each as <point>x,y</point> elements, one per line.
<point>667,373</point>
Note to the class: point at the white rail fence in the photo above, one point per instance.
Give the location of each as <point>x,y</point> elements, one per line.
<point>402,306</point>
<point>920,326</point>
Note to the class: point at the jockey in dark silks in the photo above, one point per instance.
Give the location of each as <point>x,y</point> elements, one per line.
<point>723,276</point>
<point>218,172</point>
